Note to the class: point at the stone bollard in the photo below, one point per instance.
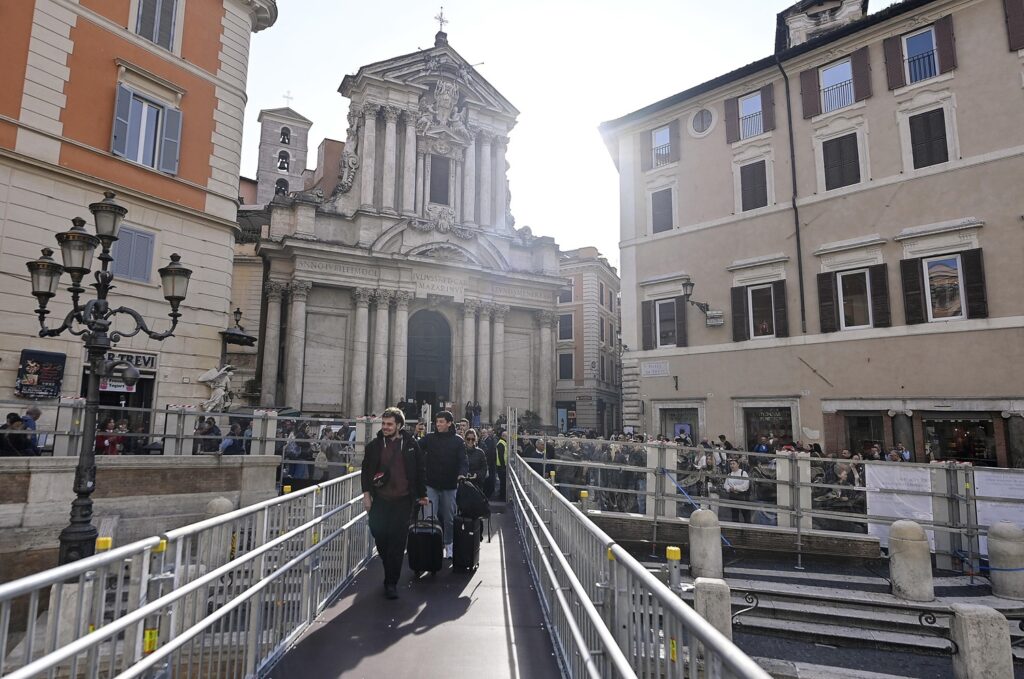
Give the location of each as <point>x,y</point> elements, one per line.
<point>215,547</point>
<point>705,545</point>
<point>712,600</point>
<point>218,506</point>
<point>1006,559</point>
<point>910,562</point>
<point>673,555</point>
<point>982,639</point>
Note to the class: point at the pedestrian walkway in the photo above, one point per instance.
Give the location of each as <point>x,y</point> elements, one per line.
<point>482,624</point>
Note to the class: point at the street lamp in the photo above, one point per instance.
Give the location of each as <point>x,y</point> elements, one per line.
<point>91,321</point>
<point>688,286</point>
<point>236,335</point>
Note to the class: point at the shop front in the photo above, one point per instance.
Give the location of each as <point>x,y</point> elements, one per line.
<point>963,437</point>
<point>118,399</point>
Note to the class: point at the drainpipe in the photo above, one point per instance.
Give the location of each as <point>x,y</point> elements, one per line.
<point>796,210</point>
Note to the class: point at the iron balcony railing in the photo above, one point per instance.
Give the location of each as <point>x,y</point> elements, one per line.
<point>835,97</point>
<point>662,155</point>
<point>751,125</point>
<point>922,66</point>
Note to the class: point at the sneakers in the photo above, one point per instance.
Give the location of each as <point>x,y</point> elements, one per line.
<point>448,551</point>
<point>390,592</point>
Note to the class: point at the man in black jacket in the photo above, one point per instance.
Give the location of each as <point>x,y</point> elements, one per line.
<point>446,463</point>
<point>393,480</point>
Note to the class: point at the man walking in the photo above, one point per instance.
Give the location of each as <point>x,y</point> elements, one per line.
<point>392,477</point>
<point>446,462</point>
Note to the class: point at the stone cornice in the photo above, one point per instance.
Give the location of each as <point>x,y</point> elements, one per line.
<point>939,227</point>
<point>262,12</point>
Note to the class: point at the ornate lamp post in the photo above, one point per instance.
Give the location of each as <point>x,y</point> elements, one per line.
<point>91,321</point>
<point>688,286</point>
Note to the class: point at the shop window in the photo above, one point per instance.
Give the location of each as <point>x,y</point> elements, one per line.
<point>775,424</point>
<point>862,432</point>
<point>967,438</point>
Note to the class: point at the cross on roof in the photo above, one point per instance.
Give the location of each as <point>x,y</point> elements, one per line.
<point>288,98</point>
<point>440,19</point>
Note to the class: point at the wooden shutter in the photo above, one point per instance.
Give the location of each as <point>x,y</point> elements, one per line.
<point>860,65</point>
<point>142,256</point>
<point>170,146</point>
<point>646,151</point>
<point>673,140</point>
<point>974,283</point>
<point>768,108</point>
<point>146,26</point>
<point>913,290</point>
<point>1015,23</point>
<point>841,161</point>
<point>662,218</point>
<point>881,315</point>
<point>928,138</point>
<point>810,92</point>
<point>682,340</point>
<point>945,44</point>
<point>828,306</point>
<point>740,331</point>
<point>647,323</point>
<point>754,185</point>
<point>779,307</point>
<point>732,120</point>
<point>122,118</point>
<point>894,74</point>
<point>164,35</point>
<point>122,253</point>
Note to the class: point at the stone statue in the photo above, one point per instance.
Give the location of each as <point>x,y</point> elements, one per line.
<point>219,382</point>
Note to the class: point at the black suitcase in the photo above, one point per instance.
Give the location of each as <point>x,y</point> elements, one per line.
<point>425,544</point>
<point>466,547</point>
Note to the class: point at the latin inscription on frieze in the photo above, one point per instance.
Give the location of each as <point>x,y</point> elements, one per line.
<point>430,283</point>
<point>335,268</point>
<point>521,293</point>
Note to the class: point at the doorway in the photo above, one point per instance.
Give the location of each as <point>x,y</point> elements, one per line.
<point>429,365</point>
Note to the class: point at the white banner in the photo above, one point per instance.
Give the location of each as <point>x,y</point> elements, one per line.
<point>884,483</point>
<point>998,483</point>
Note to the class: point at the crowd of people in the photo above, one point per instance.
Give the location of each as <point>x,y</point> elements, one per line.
<point>17,437</point>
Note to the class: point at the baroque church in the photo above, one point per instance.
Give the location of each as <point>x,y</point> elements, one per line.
<point>394,271</point>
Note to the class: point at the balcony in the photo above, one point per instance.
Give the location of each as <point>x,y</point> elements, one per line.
<point>751,125</point>
<point>662,155</point>
<point>835,97</point>
<point>922,66</point>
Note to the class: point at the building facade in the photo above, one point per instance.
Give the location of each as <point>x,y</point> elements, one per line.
<point>587,391</point>
<point>146,99</point>
<point>843,211</point>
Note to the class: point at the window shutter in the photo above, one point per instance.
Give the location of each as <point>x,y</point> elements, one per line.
<point>768,107</point>
<point>147,19</point>
<point>732,120</point>
<point>673,139</point>
<point>647,321</point>
<point>1015,23</point>
<point>913,290</point>
<point>682,340</point>
<point>142,256</point>
<point>861,66</point>
<point>810,92</point>
<point>779,307</point>
<point>754,185</point>
<point>122,253</point>
<point>974,283</point>
<point>945,44</point>
<point>122,115</point>
<point>928,138</point>
<point>646,151</point>
<point>739,314</point>
<point>828,307</point>
<point>165,28</point>
<point>878,275</point>
<point>893,48</point>
<point>170,146</point>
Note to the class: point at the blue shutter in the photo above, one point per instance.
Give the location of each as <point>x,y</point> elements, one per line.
<point>122,253</point>
<point>142,256</point>
<point>170,147</point>
<point>122,114</point>
<point>164,35</point>
<point>147,19</point>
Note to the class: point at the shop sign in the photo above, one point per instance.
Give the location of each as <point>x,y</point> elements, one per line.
<point>113,384</point>
<point>40,374</point>
<point>144,362</point>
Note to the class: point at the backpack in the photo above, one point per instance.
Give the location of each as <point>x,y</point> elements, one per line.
<point>471,502</point>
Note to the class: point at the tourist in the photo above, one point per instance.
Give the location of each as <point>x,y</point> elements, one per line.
<point>445,462</point>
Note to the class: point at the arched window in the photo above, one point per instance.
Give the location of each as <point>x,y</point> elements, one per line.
<point>281,187</point>
<point>286,135</point>
<point>283,160</point>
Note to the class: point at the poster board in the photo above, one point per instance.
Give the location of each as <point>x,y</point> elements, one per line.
<point>884,483</point>
<point>40,374</point>
<point>998,483</point>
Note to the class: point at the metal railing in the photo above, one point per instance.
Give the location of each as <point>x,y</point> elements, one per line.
<point>662,155</point>
<point>224,597</point>
<point>751,125</point>
<point>836,96</point>
<point>922,66</point>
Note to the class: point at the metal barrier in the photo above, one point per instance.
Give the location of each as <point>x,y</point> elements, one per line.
<point>224,597</point>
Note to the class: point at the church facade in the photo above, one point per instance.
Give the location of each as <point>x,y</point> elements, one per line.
<point>403,277</point>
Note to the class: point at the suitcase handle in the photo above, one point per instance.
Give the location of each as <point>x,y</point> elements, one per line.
<point>433,514</point>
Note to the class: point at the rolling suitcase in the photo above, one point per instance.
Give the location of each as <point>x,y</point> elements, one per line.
<point>466,547</point>
<point>425,545</point>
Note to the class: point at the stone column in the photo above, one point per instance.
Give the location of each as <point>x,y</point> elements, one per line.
<point>483,363</point>
<point>548,321</point>
<point>903,432</point>
<point>484,218</point>
<point>469,185</point>
<point>379,378</point>
<point>498,344</point>
<point>501,183</point>
<point>409,169</point>
<point>420,177</point>
<point>456,193</point>
<point>390,159</point>
<point>369,151</point>
<point>469,308</point>
<point>271,344</point>
<point>360,353</point>
<point>400,350</point>
<point>296,343</point>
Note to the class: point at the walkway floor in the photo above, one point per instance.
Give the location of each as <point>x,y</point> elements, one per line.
<point>484,624</point>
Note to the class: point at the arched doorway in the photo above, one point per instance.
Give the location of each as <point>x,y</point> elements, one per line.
<point>430,357</point>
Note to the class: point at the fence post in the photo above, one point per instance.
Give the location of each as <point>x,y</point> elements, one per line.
<point>69,419</point>
<point>651,463</point>
<point>264,430</point>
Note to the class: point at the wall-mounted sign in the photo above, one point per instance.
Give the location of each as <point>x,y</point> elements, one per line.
<point>144,362</point>
<point>40,374</point>
<point>114,384</point>
<point>654,369</point>
<point>715,318</point>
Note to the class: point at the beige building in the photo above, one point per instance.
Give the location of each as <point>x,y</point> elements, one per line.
<point>846,210</point>
<point>588,390</point>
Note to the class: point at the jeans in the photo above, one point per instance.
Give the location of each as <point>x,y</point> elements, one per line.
<point>442,504</point>
<point>501,490</point>
<point>389,523</point>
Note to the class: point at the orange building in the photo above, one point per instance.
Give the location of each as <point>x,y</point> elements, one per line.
<point>145,98</point>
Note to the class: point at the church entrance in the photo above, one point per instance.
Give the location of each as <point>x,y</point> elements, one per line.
<point>430,358</point>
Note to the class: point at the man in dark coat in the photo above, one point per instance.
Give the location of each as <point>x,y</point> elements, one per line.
<point>393,480</point>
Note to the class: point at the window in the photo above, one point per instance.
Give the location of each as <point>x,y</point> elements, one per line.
<point>836,85</point>
<point>156,21</point>
<point>133,254</point>
<point>762,314</point>
<point>611,301</point>
<point>751,119</point>
<point>920,55</point>
<point>661,146</point>
<point>944,287</point>
<point>666,322</point>
<point>440,169</point>
<point>928,138</point>
<point>960,436</point>
<point>702,120</point>
<point>286,135</point>
<point>283,161</point>
<point>603,378</point>
<point>600,330</point>
<point>565,295</point>
<point>754,185</point>
<point>281,187</point>
<point>565,326</point>
<point>841,160</point>
<point>600,294</point>
<point>661,211</point>
<point>854,299</point>
<point>944,283</point>
<point>565,367</point>
<point>145,131</point>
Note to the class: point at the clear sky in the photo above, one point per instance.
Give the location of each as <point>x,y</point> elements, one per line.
<point>567,65</point>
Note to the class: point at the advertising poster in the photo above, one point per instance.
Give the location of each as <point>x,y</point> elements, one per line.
<point>885,486</point>
<point>40,374</point>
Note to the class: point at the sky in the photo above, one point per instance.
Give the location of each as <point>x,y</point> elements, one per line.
<point>567,65</point>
